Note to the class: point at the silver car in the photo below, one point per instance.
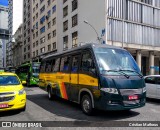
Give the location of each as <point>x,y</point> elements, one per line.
<point>153,86</point>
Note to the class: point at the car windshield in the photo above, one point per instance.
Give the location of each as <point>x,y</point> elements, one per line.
<point>116,62</point>
<point>8,80</point>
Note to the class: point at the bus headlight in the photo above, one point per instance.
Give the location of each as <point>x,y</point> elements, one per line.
<point>22,91</point>
<point>144,90</point>
<point>110,90</point>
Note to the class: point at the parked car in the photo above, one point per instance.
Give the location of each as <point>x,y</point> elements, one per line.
<point>153,86</point>
<point>12,93</point>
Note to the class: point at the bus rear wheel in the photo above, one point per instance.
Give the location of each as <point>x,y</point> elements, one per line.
<point>86,105</point>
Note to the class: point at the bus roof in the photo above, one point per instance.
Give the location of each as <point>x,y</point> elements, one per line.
<point>87,45</point>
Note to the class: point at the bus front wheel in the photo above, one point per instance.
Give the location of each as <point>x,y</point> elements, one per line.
<point>86,105</point>
<point>50,95</point>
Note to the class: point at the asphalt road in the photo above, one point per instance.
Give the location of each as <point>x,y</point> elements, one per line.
<point>39,108</point>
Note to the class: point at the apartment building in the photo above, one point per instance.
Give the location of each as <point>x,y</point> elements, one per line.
<point>59,25</point>
<point>17,47</point>
<point>4,33</point>
<point>26,31</point>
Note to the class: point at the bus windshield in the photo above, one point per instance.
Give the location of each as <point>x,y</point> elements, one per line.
<point>35,69</point>
<point>113,61</point>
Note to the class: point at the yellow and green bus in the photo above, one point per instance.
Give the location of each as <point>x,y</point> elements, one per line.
<point>95,76</point>
<point>29,72</point>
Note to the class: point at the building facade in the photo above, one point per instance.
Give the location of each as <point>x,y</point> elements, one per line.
<point>58,25</point>
<point>4,33</point>
<point>9,61</point>
<point>17,47</point>
<point>27,27</point>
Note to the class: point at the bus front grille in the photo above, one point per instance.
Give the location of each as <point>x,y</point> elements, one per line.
<point>130,91</point>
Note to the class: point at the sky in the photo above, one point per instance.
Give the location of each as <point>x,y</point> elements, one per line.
<point>4,2</point>
<point>17,14</point>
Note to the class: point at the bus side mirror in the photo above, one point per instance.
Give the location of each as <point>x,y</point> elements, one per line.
<point>24,82</point>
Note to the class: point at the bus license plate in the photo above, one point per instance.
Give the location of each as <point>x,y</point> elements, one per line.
<point>133,97</point>
<point>3,105</point>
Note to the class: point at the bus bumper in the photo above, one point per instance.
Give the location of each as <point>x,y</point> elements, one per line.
<point>118,102</point>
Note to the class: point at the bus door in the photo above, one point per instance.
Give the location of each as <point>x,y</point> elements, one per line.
<point>74,77</point>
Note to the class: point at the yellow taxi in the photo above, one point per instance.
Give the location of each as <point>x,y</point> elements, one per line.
<point>12,93</point>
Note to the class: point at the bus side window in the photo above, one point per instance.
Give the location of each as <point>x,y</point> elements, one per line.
<point>48,66</point>
<point>56,67</point>
<point>87,64</point>
<point>75,63</point>
<point>42,68</point>
<point>64,67</point>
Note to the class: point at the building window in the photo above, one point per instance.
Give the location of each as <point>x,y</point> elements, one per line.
<point>54,45</point>
<point>49,36</point>
<point>24,49</point>
<point>24,57</point>
<point>36,43</point>
<point>37,6</point>
<point>74,5</point>
<point>54,33</point>
<point>65,11</point>
<point>28,55</point>
<point>43,50</point>
<point>53,21</point>
<point>37,34</point>
<point>42,30</point>
<point>33,35</point>
<point>65,26</point>
<point>29,39</point>
<point>49,47</point>
<point>49,2</point>
<point>36,15</point>
<point>42,19</point>
<point>28,47</point>
<point>36,52</point>
<point>64,1</point>
<point>74,20</point>
<point>42,9</point>
<point>42,40</point>
<point>49,25</point>
<point>74,39</point>
<point>53,9</point>
<point>65,42</point>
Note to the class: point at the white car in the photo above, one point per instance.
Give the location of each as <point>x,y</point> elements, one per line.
<point>153,86</point>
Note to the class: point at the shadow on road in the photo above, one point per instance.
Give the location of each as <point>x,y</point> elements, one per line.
<point>71,110</point>
<point>153,101</point>
<point>9,113</point>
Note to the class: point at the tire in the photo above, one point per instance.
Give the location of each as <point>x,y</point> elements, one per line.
<point>50,95</point>
<point>86,105</point>
<point>24,108</point>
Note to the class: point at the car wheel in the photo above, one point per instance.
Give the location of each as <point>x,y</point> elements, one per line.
<point>50,95</point>
<point>86,105</point>
<point>24,108</point>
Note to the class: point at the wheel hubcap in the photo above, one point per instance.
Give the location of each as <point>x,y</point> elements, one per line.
<point>86,105</point>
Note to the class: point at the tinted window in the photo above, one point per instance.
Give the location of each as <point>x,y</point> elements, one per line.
<point>42,68</point>
<point>150,80</point>
<point>75,63</point>
<point>9,80</point>
<point>56,67</point>
<point>48,66</point>
<point>87,64</point>
<point>158,80</point>
<point>65,64</point>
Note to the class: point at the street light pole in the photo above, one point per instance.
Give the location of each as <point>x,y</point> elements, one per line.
<point>86,22</point>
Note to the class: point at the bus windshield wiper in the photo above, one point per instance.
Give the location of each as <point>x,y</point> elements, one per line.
<point>122,73</point>
<point>140,75</point>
